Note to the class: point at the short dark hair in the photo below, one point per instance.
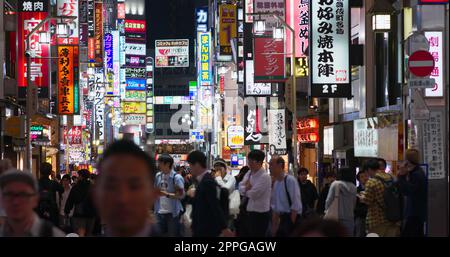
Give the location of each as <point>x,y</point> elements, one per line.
<point>126,147</point>
<point>257,155</point>
<point>328,228</point>
<point>383,161</point>
<point>14,175</point>
<point>302,170</point>
<point>330,175</point>
<point>371,164</point>
<point>45,169</point>
<point>346,174</point>
<point>67,176</point>
<point>84,174</point>
<point>220,162</point>
<point>197,157</point>
<point>358,176</point>
<point>166,159</point>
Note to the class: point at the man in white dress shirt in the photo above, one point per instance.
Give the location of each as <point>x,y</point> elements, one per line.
<point>257,187</point>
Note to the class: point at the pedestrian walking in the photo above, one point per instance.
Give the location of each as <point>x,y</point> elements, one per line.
<point>329,178</point>
<point>228,182</point>
<point>20,196</point>
<point>413,184</point>
<point>308,193</point>
<point>256,189</point>
<point>65,220</point>
<point>208,217</point>
<point>80,202</point>
<point>374,196</point>
<point>124,191</point>
<point>168,207</point>
<point>48,189</point>
<point>286,200</point>
<point>361,208</point>
<point>343,192</point>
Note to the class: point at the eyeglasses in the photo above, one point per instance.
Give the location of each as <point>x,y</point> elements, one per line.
<point>8,196</point>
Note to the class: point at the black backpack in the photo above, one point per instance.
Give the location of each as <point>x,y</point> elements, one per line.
<point>45,205</point>
<point>392,200</point>
<point>224,201</point>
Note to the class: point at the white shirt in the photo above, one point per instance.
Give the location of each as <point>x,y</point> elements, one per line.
<point>64,198</point>
<point>260,193</point>
<point>227,182</point>
<point>280,200</point>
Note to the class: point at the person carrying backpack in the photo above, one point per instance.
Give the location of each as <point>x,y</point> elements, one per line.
<point>383,202</point>
<point>80,201</point>
<point>286,201</point>
<point>168,207</point>
<point>47,207</point>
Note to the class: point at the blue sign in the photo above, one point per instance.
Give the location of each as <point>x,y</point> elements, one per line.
<point>201,19</point>
<point>196,135</point>
<point>109,51</point>
<point>234,160</point>
<point>204,51</point>
<point>136,84</point>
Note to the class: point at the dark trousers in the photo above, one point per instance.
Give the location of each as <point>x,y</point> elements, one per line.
<point>258,223</point>
<point>413,227</point>
<point>286,227</point>
<point>170,226</point>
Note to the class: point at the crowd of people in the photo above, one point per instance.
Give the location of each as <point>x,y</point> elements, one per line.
<point>134,195</point>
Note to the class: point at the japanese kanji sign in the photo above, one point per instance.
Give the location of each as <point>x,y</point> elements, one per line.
<point>205,65</point>
<point>172,53</point>
<point>30,15</point>
<point>69,8</point>
<point>433,145</point>
<point>272,6</point>
<point>329,43</point>
<point>33,5</point>
<point>99,104</point>
<point>436,49</point>
<point>227,27</point>
<point>99,32</point>
<point>269,60</point>
<point>277,132</point>
<point>68,93</point>
<point>301,27</point>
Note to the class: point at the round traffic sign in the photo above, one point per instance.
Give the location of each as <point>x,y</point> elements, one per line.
<point>421,63</point>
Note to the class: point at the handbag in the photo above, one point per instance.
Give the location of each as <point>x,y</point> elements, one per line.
<point>235,202</point>
<point>332,213</point>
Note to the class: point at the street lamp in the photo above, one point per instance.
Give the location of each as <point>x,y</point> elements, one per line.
<point>381,15</point>
<point>259,27</point>
<point>278,33</point>
<point>44,37</point>
<point>62,29</point>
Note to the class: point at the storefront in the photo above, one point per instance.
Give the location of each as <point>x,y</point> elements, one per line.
<point>308,139</point>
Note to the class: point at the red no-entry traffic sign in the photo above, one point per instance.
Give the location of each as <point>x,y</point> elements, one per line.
<point>421,63</point>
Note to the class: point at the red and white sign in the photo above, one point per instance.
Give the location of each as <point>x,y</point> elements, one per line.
<point>135,26</point>
<point>421,63</point>
<point>436,49</point>
<point>269,60</point>
<point>297,16</point>
<point>26,22</point>
<point>74,135</point>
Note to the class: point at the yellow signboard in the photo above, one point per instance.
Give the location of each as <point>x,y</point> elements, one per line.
<point>133,107</point>
<point>228,27</point>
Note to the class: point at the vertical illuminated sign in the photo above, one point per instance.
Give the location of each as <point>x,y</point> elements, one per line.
<point>69,8</point>
<point>204,51</point>
<point>435,40</point>
<point>227,27</point>
<point>330,50</point>
<point>68,94</point>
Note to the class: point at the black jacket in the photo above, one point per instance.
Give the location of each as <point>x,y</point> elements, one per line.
<point>208,219</point>
<point>53,188</point>
<point>308,194</point>
<point>322,199</point>
<point>80,198</point>
<point>414,187</point>
<point>360,208</point>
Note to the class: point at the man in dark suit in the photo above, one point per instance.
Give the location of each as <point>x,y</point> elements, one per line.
<point>208,218</point>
